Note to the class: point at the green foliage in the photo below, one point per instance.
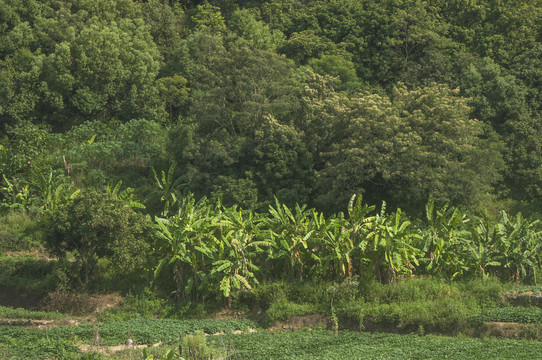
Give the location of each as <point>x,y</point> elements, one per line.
<point>444,316</point>
<point>364,345</point>
<point>338,66</point>
<point>167,190</point>
<point>284,310</point>
<point>19,231</point>
<point>34,345</point>
<point>263,107</point>
<point>291,232</point>
<point>423,138</point>
<point>238,244</point>
<point>194,346</point>
<point>183,242</point>
<point>28,274</point>
<point>254,33</point>
<point>132,307</point>
<point>58,342</point>
<point>169,355</point>
<point>208,18</point>
<point>97,225</point>
<point>148,331</point>
<point>524,315</point>
<point>82,61</point>
<point>20,313</point>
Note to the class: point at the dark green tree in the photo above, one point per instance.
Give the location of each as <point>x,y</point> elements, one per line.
<point>97,225</point>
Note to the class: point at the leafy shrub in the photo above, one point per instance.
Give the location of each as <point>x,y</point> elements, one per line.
<point>488,293</point>
<point>98,225</point>
<point>194,347</point>
<point>268,293</point>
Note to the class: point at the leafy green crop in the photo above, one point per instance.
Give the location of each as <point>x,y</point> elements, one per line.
<point>17,343</point>
<point>360,345</point>
<point>19,313</point>
<point>519,314</point>
<point>144,331</point>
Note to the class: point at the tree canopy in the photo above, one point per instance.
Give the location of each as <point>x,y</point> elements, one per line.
<point>307,101</point>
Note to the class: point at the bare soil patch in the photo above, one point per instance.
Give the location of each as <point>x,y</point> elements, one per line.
<point>504,330</point>
<point>112,349</point>
<point>301,322</point>
<point>527,298</point>
<point>75,304</point>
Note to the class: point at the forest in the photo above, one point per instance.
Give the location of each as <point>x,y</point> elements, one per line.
<point>197,151</point>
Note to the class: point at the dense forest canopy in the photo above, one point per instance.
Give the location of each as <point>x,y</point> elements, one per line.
<point>308,101</point>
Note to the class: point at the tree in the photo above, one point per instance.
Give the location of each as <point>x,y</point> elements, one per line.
<point>96,225</point>
<point>307,44</point>
<point>208,18</point>
<point>242,140</point>
<point>183,245</point>
<point>501,100</point>
<point>403,149</point>
<point>335,65</point>
<point>114,67</point>
<point>73,61</point>
<point>254,33</point>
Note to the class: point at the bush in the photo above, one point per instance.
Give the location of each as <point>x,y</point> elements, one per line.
<point>194,347</point>
<point>98,225</point>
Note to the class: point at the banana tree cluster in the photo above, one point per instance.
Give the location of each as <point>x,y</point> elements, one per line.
<point>206,248</point>
<point>42,192</point>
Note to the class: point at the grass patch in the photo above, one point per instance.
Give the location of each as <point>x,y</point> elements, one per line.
<point>283,310</point>
<point>19,232</point>
<point>132,307</point>
<point>26,273</point>
<point>20,313</point>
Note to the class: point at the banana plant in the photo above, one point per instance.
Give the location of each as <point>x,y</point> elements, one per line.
<point>518,240</point>
<point>184,244</point>
<point>239,245</point>
<point>51,189</point>
<point>3,159</point>
<point>126,195</point>
<point>15,194</point>
<point>481,254</point>
<point>443,240</point>
<point>358,216</point>
<point>167,190</point>
<point>338,247</point>
<point>290,232</point>
<point>360,221</point>
<point>391,246</point>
